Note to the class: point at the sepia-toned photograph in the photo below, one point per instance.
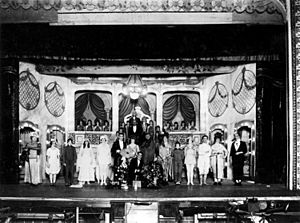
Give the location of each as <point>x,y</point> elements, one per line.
<point>150,111</point>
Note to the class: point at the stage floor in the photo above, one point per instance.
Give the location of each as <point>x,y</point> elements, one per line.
<point>178,193</point>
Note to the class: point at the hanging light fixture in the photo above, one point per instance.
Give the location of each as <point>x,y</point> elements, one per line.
<point>135,87</point>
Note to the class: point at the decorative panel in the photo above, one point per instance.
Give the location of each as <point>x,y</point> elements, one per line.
<point>29,90</point>
<point>244,91</point>
<point>295,25</point>
<point>218,100</point>
<point>55,99</point>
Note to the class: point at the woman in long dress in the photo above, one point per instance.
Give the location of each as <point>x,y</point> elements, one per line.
<point>165,154</point>
<point>103,160</point>
<point>52,162</point>
<point>85,163</point>
<point>218,156</point>
<point>32,164</point>
<point>190,160</point>
<point>204,152</point>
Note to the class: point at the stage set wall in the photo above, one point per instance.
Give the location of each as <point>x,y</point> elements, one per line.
<point>42,117</point>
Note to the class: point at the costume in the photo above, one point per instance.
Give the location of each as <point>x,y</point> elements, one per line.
<point>53,166</point>
<point>69,160</point>
<point>103,160</point>
<point>148,150</point>
<point>204,152</point>
<point>115,152</point>
<point>85,163</point>
<point>32,166</point>
<point>135,170</point>
<point>97,128</point>
<point>190,161</point>
<point>237,152</point>
<point>218,155</point>
<point>178,157</point>
<point>165,154</point>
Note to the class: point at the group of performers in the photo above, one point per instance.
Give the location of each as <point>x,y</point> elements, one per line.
<point>143,156</point>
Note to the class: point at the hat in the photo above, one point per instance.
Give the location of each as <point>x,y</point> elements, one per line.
<point>104,137</point>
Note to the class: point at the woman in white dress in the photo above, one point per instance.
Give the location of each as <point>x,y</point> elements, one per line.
<point>190,160</point>
<point>218,156</point>
<point>103,160</point>
<point>52,162</point>
<point>204,152</point>
<point>85,163</point>
<point>165,155</point>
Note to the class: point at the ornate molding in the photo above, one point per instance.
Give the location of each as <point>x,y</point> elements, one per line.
<point>295,24</point>
<point>239,6</point>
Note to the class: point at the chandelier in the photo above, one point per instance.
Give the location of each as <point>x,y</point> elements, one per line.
<point>135,87</point>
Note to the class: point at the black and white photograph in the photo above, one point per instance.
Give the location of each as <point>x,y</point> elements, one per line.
<point>150,111</point>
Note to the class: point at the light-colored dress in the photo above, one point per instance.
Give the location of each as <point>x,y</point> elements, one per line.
<point>103,159</point>
<point>190,155</point>
<point>32,168</point>
<point>204,152</point>
<point>218,155</point>
<point>165,154</point>
<point>53,155</point>
<point>86,164</point>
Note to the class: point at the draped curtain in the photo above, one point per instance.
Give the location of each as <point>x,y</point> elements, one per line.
<point>178,103</point>
<point>96,104</point>
<point>127,105</point>
<point>80,105</point>
<point>170,108</point>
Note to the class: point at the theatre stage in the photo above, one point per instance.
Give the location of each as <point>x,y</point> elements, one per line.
<point>94,195</point>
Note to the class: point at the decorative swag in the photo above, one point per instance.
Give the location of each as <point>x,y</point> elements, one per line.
<point>178,103</point>
<point>127,105</point>
<point>96,105</point>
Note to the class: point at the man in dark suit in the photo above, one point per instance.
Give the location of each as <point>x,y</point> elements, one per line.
<point>237,154</point>
<point>135,168</point>
<point>69,162</point>
<point>135,128</point>
<point>118,145</point>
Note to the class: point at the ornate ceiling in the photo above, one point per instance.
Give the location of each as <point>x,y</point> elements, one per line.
<point>239,6</point>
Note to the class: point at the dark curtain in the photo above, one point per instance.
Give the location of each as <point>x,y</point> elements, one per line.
<point>144,105</point>
<point>175,103</point>
<point>9,122</point>
<point>271,128</point>
<point>187,108</point>
<point>170,108</point>
<point>97,106</point>
<point>125,107</point>
<point>80,105</point>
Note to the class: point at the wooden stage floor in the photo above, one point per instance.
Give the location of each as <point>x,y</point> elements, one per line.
<point>94,194</point>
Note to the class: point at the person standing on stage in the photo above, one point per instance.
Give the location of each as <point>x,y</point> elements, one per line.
<point>69,162</point>
<point>165,155</point>
<point>52,162</point>
<point>190,160</point>
<point>204,153</point>
<point>218,156</point>
<point>116,149</point>
<point>148,149</point>
<point>135,168</point>
<point>103,160</point>
<point>85,163</point>
<point>32,165</point>
<point>178,157</point>
<point>237,154</point>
